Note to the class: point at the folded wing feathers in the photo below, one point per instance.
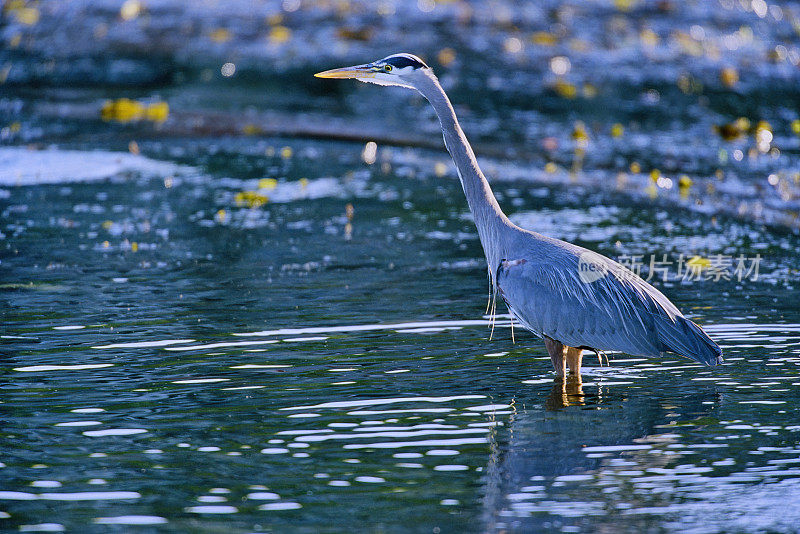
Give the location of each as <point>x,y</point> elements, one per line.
<point>619,311</point>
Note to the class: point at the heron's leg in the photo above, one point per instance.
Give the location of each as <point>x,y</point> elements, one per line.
<point>574,359</point>
<point>556,351</point>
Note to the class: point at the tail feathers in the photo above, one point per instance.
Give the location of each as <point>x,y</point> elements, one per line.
<point>686,338</point>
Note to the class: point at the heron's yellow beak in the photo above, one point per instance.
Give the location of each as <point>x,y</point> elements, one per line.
<point>356,71</point>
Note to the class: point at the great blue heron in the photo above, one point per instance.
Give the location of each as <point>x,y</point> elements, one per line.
<point>573,298</point>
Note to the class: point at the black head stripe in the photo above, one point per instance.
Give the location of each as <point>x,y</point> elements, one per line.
<point>404,60</point>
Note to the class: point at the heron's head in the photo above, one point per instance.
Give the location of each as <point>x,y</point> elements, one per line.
<point>403,70</point>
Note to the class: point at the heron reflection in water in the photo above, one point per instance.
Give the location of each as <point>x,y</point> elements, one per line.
<point>566,391</point>
<point>573,298</point>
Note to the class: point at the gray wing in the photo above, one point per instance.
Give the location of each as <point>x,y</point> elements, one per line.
<point>583,299</point>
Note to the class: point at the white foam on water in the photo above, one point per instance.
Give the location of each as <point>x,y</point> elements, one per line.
<point>574,478</point>
<point>21,166</point>
<point>423,443</point>
<point>41,368</point>
<point>114,432</point>
<point>410,410</point>
<point>428,330</point>
<point>17,496</point>
<point>303,432</point>
<point>367,328</point>
<point>43,527</point>
<point>131,520</point>
<point>564,509</point>
<point>201,381</point>
<point>45,484</point>
<point>596,223</point>
<point>488,407</point>
<point>259,366</point>
<point>263,496</point>
<point>388,428</point>
<point>211,498</point>
<point>316,188</point>
<point>90,496</point>
<point>451,467</point>
<point>390,434</point>
<point>728,328</point>
<point>617,448</point>
<point>212,509</point>
<point>280,506</point>
<point>144,344</point>
<point>274,450</point>
<point>221,344</point>
<point>378,402</point>
<point>370,480</point>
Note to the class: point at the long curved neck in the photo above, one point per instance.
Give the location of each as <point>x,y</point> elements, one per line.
<point>489,218</point>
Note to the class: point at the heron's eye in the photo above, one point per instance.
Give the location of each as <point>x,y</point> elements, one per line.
<point>387,68</point>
